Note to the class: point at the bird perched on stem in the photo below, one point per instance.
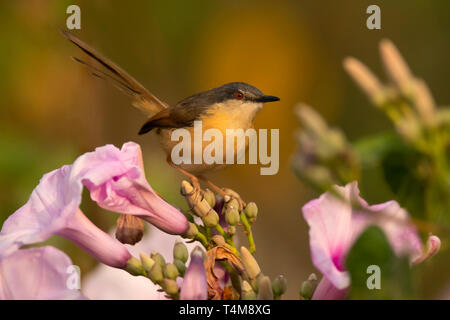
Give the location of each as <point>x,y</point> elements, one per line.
<point>230,106</point>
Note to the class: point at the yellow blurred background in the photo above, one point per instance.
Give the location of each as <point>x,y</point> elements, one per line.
<point>52,109</point>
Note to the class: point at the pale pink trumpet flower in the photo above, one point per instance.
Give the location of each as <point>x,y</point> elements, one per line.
<point>336,222</point>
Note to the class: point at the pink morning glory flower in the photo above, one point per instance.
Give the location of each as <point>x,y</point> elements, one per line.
<point>116,181</point>
<point>38,273</point>
<point>335,225</point>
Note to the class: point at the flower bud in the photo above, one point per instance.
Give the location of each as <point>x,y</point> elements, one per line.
<point>232,216</point>
<point>211,219</point>
<point>134,267</point>
<point>192,231</point>
<point>156,273</point>
<point>180,251</point>
<point>198,204</point>
<point>218,240</point>
<point>158,258</point>
<point>247,292</point>
<point>171,271</point>
<point>170,286</point>
<point>308,287</point>
<point>231,230</point>
<point>279,286</point>
<point>250,264</point>
<point>251,210</point>
<point>180,266</point>
<point>130,229</point>
<point>209,196</point>
<point>265,289</point>
<point>195,285</point>
<point>147,262</point>
<point>233,204</point>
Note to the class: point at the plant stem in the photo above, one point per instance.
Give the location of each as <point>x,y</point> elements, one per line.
<point>219,229</point>
<point>201,237</point>
<point>248,229</point>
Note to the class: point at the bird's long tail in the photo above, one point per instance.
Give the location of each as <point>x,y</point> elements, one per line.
<point>143,99</point>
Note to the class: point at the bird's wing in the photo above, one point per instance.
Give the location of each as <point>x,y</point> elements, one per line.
<point>144,100</point>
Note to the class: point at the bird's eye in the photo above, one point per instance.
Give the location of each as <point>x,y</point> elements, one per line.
<point>238,95</point>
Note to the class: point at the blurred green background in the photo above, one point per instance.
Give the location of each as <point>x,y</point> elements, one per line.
<point>52,110</point>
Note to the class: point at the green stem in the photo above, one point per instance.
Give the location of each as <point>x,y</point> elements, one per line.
<point>248,229</point>
<point>201,237</point>
<point>228,239</point>
<point>219,229</point>
<point>208,233</point>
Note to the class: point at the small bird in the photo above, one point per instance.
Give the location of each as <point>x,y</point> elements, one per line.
<point>230,106</point>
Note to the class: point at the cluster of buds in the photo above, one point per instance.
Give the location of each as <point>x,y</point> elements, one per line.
<point>423,128</point>
<point>324,156</point>
<point>406,99</point>
<point>256,285</point>
<point>220,214</point>
<point>160,272</point>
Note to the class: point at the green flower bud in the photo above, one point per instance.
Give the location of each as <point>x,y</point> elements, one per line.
<point>158,258</point>
<point>231,230</point>
<point>170,271</point>
<point>170,286</point>
<point>191,232</point>
<point>251,210</point>
<point>308,287</point>
<point>156,273</point>
<point>180,266</point>
<point>265,289</point>
<point>180,251</point>
<point>233,204</point>
<point>134,267</point>
<point>247,292</point>
<point>211,219</point>
<point>147,262</point>
<point>209,196</point>
<point>279,286</point>
<point>250,264</point>
<point>232,216</point>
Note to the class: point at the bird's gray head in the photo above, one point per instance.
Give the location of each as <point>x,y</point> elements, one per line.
<point>239,91</point>
<point>234,91</point>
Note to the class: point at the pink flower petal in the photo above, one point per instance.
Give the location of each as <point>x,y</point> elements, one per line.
<point>38,273</point>
<point>335,225</point>
<point>116,180</point>
<point>94,241</point>
<point>330,234</point>
<point>53,209</point>
<point>327,291</point>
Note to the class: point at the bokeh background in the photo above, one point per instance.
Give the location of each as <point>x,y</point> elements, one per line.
<point>52,109</point>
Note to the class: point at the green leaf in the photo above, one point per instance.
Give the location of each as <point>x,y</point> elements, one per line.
<point>400,165</point>
<point>371,150</point>
<point>373,249</point>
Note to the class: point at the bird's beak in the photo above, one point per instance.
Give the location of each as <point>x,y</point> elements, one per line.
<point>265,98</point>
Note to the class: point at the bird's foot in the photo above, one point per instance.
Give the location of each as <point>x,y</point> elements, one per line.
<point>226,193</point>
<point>196,193</point>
